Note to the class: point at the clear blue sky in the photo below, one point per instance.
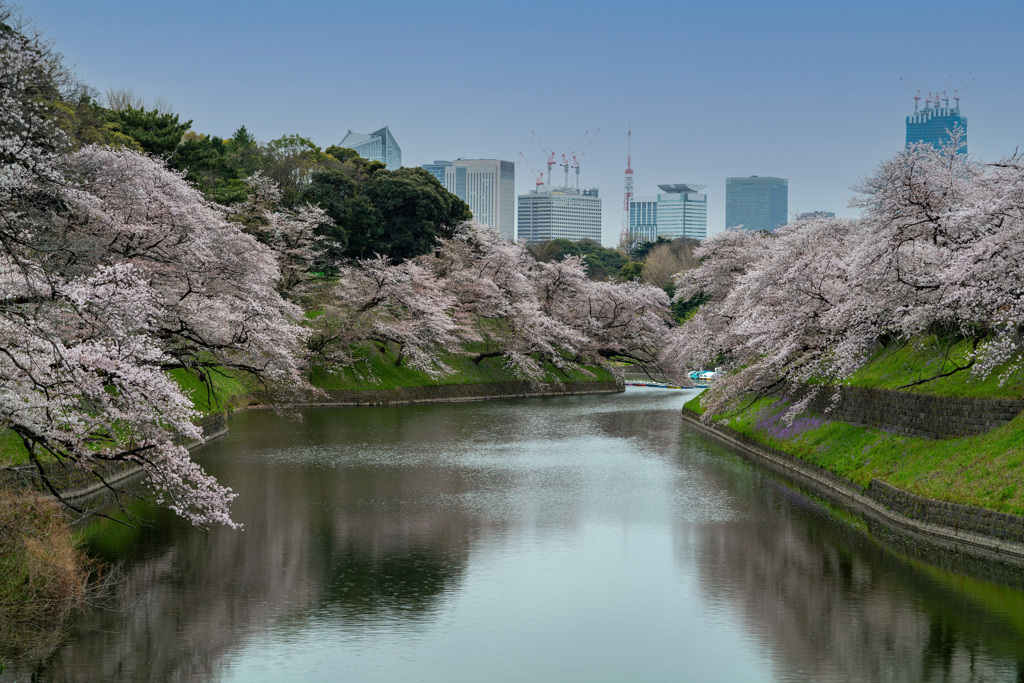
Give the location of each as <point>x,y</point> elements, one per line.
<point>809,91</point>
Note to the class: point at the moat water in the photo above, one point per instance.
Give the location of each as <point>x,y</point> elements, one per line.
<point>591,538</point>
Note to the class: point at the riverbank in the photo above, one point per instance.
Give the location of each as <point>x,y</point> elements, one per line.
<point>941,459</point>
<point>976,531</point>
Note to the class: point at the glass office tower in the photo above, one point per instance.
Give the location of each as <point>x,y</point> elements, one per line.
<point>756,202</point>
<point>682,211</point>
<point>934,124</point>
<point>376,146</point>
<point>643,219</point>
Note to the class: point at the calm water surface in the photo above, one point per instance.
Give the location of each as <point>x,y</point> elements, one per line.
<point>568,539</point>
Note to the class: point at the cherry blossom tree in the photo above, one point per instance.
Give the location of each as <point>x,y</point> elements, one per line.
<point>290,232</point>
<point>936,250</point>
<point>401,307</point>
<point>530,313</point>
<point>113,271</point>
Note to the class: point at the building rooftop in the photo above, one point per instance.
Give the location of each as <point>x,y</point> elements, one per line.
<point>681,187</point>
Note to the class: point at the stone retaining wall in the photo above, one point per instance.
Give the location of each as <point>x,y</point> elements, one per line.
<point>999,525</point>
<point>975,530</point>
<point>464,392</point>
<point>930,417</point>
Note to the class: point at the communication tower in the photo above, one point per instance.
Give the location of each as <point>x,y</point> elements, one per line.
<point>627,195</point>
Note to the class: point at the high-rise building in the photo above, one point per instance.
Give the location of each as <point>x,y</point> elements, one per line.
<point>379,146</point>
<point>935,123</point>
<point>548,213</point>
<point>680,210</point>
<point>488,186</point>
<point>816,214</point>
<point>442,170</point>
<point>643,219</point>
<point>756,203</point>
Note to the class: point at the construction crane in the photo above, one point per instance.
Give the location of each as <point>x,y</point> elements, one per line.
<point>580,151</point>
<point>547,153</point>
<point>565,167</point>
<point>533,171</point>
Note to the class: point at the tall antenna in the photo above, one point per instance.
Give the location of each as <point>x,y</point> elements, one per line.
<point>627,196</point>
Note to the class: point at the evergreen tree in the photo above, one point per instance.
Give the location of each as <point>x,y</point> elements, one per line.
<point>158,134</point>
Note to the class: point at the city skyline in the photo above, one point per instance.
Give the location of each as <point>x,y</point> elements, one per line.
<point>828,109</point>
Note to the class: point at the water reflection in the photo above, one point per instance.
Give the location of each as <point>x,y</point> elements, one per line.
<point>580,538</point>
<point>834,604</point>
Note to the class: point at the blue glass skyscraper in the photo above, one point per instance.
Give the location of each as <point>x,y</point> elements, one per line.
<point>379,146</point>
<point>756,203</point>
<point>935,123</point>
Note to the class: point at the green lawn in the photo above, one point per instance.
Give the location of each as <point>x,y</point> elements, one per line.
<point>983,471</point>
<point>895,367</point>
<point>378,371</point>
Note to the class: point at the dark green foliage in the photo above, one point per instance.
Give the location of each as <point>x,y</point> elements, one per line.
<point>290,161</point>
<point>631,271</point>
<point>416,211</point>
<point>336,193</point>
<point>683,310</point>
<point>342,154</point>
<point>602,263</point>
<point>400,214</point>
<point>157,133</point>
<point>87,123</point>
<point>219,167</point>
<point>640,251</point>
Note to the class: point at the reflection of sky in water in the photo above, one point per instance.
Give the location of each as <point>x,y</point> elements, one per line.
<point>578,538</point>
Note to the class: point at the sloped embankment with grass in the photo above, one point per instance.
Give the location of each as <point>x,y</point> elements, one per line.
<point>377,379</point>
<point>972,483</point>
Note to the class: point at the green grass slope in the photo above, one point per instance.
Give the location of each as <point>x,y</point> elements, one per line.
<point>983,471</point>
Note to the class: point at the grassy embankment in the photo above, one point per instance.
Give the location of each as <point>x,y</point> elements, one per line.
<point>983,471</point>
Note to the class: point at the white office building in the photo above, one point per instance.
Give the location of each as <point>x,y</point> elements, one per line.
<point>548,213</point>
<point>488,186</point>
<point>679,210</point>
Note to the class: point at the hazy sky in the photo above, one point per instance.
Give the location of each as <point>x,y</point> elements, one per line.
<point>809,91</point>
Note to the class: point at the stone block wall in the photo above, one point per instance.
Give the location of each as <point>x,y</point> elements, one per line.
<point>930,417</point>
<point>989,523</point>
<point>466,392</point>
<point>1005,530</point>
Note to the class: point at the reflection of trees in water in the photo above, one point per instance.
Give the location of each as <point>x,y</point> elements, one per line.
<point>367,586</point>
<point>363,541</point>
<point>831,604</point>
